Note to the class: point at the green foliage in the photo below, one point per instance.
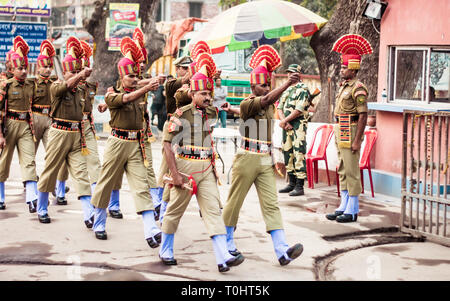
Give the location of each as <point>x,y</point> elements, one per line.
<point>323,8</point>
<point>230,3</point>
<point>299,52</point>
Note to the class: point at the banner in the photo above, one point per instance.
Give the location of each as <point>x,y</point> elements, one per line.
<point>35,8</point>
<point>123,19</point>
<point>33,33</point>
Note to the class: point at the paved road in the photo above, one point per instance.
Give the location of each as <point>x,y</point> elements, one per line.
<point>67,250</point>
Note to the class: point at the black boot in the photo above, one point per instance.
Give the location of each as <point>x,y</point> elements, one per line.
<point>291,184</point>
<point>298,190</point>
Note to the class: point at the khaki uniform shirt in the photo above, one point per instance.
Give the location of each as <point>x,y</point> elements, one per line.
<point>257,121</point>
<point>42,91</point>
<point>351,98</point>
<point>193,126</point>
<point>129,116</point>
<point>171,88</point>
<point>182,97</point>
<point>18,94</point>
<point>66,104</point>
<point>90,90</point>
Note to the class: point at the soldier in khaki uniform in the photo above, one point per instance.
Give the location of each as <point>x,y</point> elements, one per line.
<point>253,162</point>
<point>92,159</point>
<point>17,125</point>
<point>189,136</point>
<point>125,149</point>
<point>66,138</point>
<point>351,118</point>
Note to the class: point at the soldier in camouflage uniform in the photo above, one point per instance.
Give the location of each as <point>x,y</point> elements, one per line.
<point>293,111</point>
<point>351,118</point>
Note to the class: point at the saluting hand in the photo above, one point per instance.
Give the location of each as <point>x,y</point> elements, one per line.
<point>153,84</point>
<point>217,74</point>
<point>87,72</point>
<point>102,107</point>
<point>226,106</point>
<point>293,78</point>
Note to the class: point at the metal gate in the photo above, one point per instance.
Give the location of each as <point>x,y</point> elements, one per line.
<point>426,175</point>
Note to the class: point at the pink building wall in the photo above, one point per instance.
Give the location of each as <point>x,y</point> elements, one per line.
<point>405,22</point>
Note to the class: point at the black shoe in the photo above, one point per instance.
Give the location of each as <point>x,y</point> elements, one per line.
<point>235,261</point>
<point>89,223</point>
<point>347,218</point>
<point>298,189</point>
<point>61,201</point>
<point>157,210</point>
<point>115,213</point>
<point>168,261</point>
<point>291,184</point>
<point>157,237</point>
<point>101,235</point>
<point>152,242</point>
<point>45,219</point>
<point>2,206</point>
<point>32,206</point>
<point>234,252</point>
<point>293,252</point>
<point>67,189</point>
<point>332,216</point>
<point>223,268</point>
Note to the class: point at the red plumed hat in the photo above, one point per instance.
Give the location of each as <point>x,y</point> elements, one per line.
<point>72,60</point>
<point>132,57</point>
<point>202,80</point>
<point>352,47</point>
<point>263,62</point>
<point>21,49</point>
<point>47,52</point>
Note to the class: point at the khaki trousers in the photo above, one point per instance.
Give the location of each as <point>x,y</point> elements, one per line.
<point>92,160</point>
<point>349,174</point>
<point>18,135</point>
<point>64,147</point>
<point>42,124</point>
<point>249,168</point>
<point>207,197</point>
<point>151,178</point>
<point>123,156</point>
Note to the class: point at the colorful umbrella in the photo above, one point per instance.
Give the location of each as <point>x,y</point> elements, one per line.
<point>263,22</point>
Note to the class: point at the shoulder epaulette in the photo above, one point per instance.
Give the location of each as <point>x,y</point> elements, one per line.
<point>362,90</point>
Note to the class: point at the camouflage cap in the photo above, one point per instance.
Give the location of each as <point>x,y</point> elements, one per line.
<point>294,68</point>
<point>183,61</point>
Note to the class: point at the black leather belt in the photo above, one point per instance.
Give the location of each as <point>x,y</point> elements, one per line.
<point>196,153</point>
<point>18,115</point>
<point>126,134</point>
<point>45,110</point>
<point>256,146</point>
<point>66,125</point>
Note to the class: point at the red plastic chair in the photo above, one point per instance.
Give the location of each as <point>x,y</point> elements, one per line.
<point>371,137</point>
<point>312,161</point>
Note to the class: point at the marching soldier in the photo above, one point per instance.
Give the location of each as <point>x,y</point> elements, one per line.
<point>66,138</point>
<point>253,162</point>
<point>41,99</point>
<point>92,159</point>
<point>155,190</point>
<point>125,150</point>
<point>293,111</point>
<point>189,134</point>
<point>16,124</point>
<point>351,117</point>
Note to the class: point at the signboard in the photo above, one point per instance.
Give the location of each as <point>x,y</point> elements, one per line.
<point>33,33</point>
<point>123,19</point>
<point>35,8</point>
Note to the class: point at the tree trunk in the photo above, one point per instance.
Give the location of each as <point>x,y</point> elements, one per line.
<point>346,19</point>
<point>105,62</point>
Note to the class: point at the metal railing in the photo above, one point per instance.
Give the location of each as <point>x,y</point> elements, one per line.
<point>425,175</point>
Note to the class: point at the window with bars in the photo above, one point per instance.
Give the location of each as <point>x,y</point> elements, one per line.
<point>420,74</point>
<point>195,9</point>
